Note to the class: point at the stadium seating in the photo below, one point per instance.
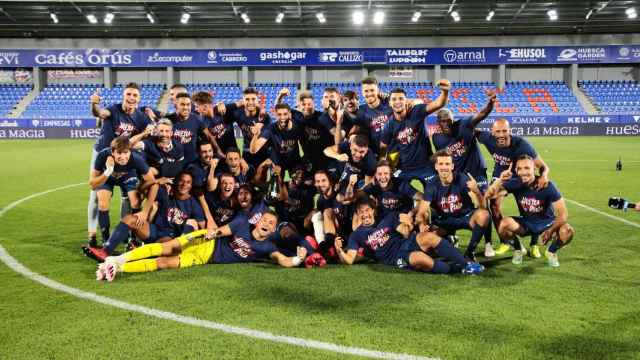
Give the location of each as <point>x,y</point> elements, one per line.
<point>72,100</point>
<point>517,98</point>
<point>268,92</point>
<point>613,97</point>
<point>225,92</point>
<point>10,95</point>
<point>521,98</point>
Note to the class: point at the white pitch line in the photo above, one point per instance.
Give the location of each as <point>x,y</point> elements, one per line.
<point>585,160</point>
<point>625,221</point>
<point>16,266</point>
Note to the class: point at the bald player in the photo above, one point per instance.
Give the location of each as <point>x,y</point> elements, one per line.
<point>505,150</point>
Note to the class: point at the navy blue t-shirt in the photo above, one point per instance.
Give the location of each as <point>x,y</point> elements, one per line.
<point>316,136</point>
<point>173,213</point>
<point>365,167</point>
<point>241,246</point>
<point>169,163</point>
<point>245,122</point>
<point>532,203</point>
<point>409,137</point>
<point>298,204</point>
<point>222,130</point>
<point>120,124</point>
<point>342,213</point>
<point>187,132</point>
<point>255,213</point>
<point>449,200</point>
<point>380,241</point>
<point>505,158</point>
<point>241,178</point>
<point>327,123</point>
<point>398,198</point>
<point>136,163</point>
<point>200,173</point>
<point>374,120</point>
<point>223,211</point>
<point>284,146</point>
<point>463,146</point>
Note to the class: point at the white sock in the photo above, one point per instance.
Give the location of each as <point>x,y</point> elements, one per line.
<point>318,226</point>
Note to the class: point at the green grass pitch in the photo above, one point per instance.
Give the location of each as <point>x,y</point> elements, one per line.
<point>586,309</point>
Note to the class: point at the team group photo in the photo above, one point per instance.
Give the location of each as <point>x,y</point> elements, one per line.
<point>370,179</point>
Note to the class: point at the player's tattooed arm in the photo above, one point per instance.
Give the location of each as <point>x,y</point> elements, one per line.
<point>486,110</point>
<point>95,107</point>
<point>347,257</point>
<point>442,99</point>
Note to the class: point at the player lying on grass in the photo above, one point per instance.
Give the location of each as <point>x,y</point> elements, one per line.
<point>542,211</point>
<point>449,195</point>
<point>236,242</point>
<point>391,241</point>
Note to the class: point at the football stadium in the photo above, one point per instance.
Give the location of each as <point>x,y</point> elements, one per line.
<point>396,179</point>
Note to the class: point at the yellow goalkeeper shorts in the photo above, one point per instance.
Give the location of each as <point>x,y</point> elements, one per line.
<point>197,253</point>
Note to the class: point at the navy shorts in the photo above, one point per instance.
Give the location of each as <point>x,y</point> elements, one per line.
<point>452,223</point>
<point>533,226</point>
<point>408,246</point>
<point>128,182</point>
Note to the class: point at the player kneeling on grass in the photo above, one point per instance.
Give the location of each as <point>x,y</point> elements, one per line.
<point>542,211</point>
<point>236,242</point>
<point>449,195</point>
<point>391,241</point>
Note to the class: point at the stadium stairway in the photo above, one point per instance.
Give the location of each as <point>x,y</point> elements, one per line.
<point>585,101</point>
<point>21,106</point>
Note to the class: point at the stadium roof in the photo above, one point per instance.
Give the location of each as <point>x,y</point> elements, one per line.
<point>300,19</point>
